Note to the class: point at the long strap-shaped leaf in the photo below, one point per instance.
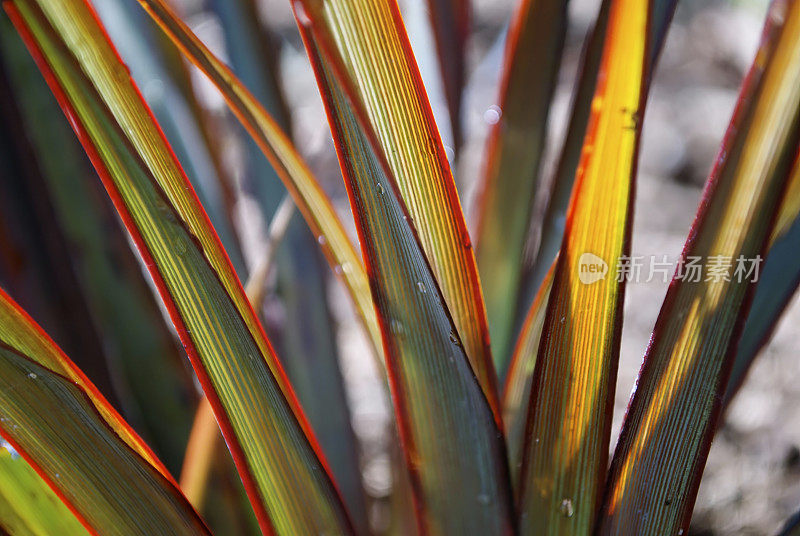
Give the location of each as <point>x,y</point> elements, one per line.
<point>365,42</point>
<point>517,388</point>
<point>544,244</point>
<point>540,253</point>
<point>450,21</point>
<point>779,280</point>
<point>449,433</point>
<point>157,390</point>
<point>57,420</point>
<point>666,435</point>
<point>569,417</point>
<point>515,146</point>
<point>28,507</point>
<point>277,457</point>
<point>307,193</point>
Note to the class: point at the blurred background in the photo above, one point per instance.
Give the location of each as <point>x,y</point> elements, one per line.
<point>752,480</point>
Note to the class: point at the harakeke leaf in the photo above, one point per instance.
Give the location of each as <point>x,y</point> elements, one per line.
<point>28,507</point>
<point>57,420</point>
<point>513,154</point>
<point>546,233</point>
<point>306,336</point>
<point>309,196</point>
<point>517,388</point>
<point>672,417</point>
<point>569,413</point>
<point>450,436</point>
<point>277,457</point>
<point>779,280</point>
<point>450,21</point>
<point>156,389</point>
<point>306,342</point>
<point>365,43</point>
<point>137,43</point>
<point>543,245</point>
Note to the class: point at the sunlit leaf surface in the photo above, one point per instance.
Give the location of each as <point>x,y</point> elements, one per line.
<point>450,437</point>
<point>28,507</point>
<point>365,41</point>
<point>311,200</point>
<point>57,420</point>
<point>546,234</point>
<point>277,457</point>
<point>671,419</point>
<point>569,413</point>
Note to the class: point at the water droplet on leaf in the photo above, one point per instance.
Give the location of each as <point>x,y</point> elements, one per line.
<point>566,508</point>
<point>454,338</point>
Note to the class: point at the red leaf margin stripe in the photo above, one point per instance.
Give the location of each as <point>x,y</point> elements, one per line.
<point>105,411</point>
<point>222,419</point>
<point>739,125</point>
<point>324,72</point>
<point>480,356</point>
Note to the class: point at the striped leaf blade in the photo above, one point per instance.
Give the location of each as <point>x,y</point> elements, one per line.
<point>287,481</point>
<point>514,150</point>
<point>366,43</point>
<point>450,437</point>
<point>306,335</point>
<point>671,419</point>
<point>779,280</point>
<point>546,234</point>
<point>28,507</point>
<point>155,388</point>
<point>57,420</point>
<point>307,193</point>
<point>569,413</point>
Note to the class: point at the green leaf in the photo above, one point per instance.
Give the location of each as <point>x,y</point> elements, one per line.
<point>307,193</point>
<point>569,412</point>
<point>450,437</point>
<point>779,280</point>
<point>156,389</point>
<point>275,452</point>
<point>366,42</point>
<point>674,412</point>
<point>58,421</point>
<point>514,150</point>
<point>306,337</point>
<point>28,507</point>
<point>136,43</point>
